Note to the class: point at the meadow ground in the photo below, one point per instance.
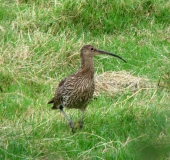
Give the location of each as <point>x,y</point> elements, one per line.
<point>39,45</point>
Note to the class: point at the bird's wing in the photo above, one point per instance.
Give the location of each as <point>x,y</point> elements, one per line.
<point>62,82</point>
<point>58,92</point>
<point>65,87</point>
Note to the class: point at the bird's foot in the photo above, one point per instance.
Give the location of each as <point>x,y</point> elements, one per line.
<point>81,124</point>
<point>76,126</point>
<point>73,130</point>
<point>72,126</point>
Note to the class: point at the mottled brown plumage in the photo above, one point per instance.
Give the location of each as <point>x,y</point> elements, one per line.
<point>76,90</point>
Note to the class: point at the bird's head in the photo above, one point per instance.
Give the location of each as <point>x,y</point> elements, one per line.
<point>90,51</point>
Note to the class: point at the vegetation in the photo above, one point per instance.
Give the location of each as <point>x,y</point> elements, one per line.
<point>39,45</point>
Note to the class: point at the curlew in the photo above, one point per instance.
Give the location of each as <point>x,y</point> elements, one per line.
<point>76,90</point>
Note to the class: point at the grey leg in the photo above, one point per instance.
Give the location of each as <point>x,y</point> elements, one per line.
<point>82,119</point>
<point>68,119</point>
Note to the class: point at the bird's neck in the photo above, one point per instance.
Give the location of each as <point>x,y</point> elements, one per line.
<point>87,65</point>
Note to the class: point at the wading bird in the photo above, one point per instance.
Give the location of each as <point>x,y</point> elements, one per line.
<point>76,90</point>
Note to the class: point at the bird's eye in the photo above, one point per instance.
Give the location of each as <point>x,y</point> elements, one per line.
<point>92,49</point>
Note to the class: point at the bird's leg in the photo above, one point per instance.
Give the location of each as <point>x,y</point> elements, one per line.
<point>82,119</point>
<point>68,119</point>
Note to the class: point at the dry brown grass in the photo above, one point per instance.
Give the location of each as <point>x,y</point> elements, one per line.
<point>116,82</point>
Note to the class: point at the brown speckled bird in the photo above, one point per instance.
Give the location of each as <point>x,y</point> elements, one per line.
<point>76,90</point>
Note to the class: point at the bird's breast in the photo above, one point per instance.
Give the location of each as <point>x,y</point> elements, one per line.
<point>84,84</point>
<point>78,92</point>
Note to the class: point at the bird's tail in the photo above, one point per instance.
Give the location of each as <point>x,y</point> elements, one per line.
<point>54,105</point>
<point>51,101</point>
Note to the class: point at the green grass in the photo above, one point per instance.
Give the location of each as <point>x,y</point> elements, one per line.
<point>39,45</point>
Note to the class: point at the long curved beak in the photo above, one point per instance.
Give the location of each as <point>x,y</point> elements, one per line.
<point>112,54</point>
